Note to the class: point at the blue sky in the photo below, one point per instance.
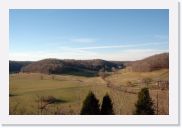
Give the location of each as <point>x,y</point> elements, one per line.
<point>87,34</point>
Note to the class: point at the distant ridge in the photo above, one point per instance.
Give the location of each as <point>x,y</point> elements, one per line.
<point>70,66</point>
<point>15,66</point>
<point>155,62</point>
<point>88,67</point>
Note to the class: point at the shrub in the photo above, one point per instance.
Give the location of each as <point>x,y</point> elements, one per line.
<point>129,83</point>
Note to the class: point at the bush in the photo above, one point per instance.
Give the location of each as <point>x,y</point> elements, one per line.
<point>90,105</point>
<point>107,108</point>
<point>144,105</point>
<point>129,83</point>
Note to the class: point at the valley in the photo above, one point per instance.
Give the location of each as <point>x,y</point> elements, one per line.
<point>26,89</point>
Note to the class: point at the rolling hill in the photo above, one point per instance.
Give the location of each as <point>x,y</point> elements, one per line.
<point>36,82</point>
<point>155,62</point>
<point>15,66</point>
<point>75,67</point>
<point>88,67</point>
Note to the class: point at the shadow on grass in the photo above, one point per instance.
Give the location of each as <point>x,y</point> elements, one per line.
<point>12,95</point>
<point>53,100</point>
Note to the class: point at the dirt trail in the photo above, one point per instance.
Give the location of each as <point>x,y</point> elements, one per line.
<point>109,84</point>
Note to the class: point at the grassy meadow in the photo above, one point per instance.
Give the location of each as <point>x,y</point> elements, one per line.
<point>69,91</point>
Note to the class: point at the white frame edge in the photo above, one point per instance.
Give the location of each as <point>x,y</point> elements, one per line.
<point>171,119</point>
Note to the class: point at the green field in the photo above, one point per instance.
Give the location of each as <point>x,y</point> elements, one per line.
<point>26,90</point>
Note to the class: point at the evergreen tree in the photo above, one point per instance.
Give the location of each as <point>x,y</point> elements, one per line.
<point>107,108</point>
<point>90,105</point>
<point>144,105</point>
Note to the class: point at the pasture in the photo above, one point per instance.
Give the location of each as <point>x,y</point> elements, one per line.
<point>69,91</point>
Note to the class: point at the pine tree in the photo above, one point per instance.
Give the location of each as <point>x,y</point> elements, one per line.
<point>90,105</point>
<point>107,108</point>
<point>144,105</point>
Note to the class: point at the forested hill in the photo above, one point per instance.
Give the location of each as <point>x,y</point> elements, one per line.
<point>155,62</point>
<point>15,66</point>
<point>57,66</point>
<point>88,67</point>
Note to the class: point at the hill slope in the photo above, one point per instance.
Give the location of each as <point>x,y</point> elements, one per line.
<point>15,66</point>
<point>76,67</point>
<point>155,62</point>
<point>88,67</point>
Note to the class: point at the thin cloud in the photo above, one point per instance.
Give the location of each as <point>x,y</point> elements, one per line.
<point>83,40</point>
<point>120,46</point>
<point>146,50</point>
<point>130,52</point>
<point>66,53</point>
<point>130,55</point>
<point>161,37</point>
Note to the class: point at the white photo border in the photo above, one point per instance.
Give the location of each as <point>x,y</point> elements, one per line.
<point>171,119</point>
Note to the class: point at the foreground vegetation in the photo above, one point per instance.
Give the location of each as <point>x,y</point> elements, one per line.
<point>34,93</point>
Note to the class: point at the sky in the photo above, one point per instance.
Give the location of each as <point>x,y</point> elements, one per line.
<point>109,34</point>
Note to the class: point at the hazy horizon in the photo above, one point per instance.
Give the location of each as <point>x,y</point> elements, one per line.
<point>87,59</point>
<point>117,35</point>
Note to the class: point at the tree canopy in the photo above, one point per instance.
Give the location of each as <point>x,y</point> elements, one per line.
<point>90,105</point>
<point>107,107</point>
<point>144,105</point>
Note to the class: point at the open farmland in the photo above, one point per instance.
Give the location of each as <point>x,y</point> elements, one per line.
<point>89,62</point>
<point>69,91</point>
